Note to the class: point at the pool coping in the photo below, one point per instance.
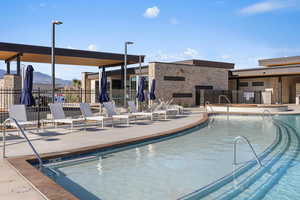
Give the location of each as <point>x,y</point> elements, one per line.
<point>52,191</point>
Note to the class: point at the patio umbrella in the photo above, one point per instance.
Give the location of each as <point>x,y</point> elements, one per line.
<point>26,96</point>
<point>103,97</point>
<point>152,91</point>
<point>140,95</point>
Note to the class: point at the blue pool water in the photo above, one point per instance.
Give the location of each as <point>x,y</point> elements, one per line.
<point>187,166</point>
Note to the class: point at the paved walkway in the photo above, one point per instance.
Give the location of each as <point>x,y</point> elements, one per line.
<point>13,186</point>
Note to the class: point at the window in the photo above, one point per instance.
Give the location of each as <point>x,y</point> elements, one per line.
<point>182,95</point>
<point>243,84</point>
<point>257,83</point>
<point>174,78</point>
<point>204,87</point>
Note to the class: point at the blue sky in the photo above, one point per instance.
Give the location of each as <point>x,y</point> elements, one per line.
<point>223,30</point>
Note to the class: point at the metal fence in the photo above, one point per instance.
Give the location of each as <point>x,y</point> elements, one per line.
<point>235,96</point>
<point>69,97</point>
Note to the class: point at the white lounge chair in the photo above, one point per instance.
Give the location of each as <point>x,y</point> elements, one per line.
<point>111,112</point>
<point>133,111</point>
<point>162,109</point>
<point>88,115</point>
<point>58,115</point>
<point>18,112</point>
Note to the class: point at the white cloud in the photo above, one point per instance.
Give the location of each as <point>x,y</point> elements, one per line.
<point>69,47</point>
<point>266,6</point>
<point>42,5</point>
<point>92,47</point>
<point>174,21</point>
<point>170,57</point>
<point>152,12</point>
<point>226,57</point>
<point>189,52</point>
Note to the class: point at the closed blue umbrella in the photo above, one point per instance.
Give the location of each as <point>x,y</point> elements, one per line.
<point>152,91</point>
<point>26,97</point>
<point>103,97</point>
<point>140,95</point>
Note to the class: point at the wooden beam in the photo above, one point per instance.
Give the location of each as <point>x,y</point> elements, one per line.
<point>13,57</point>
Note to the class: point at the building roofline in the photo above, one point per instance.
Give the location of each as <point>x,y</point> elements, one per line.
<point>42,54</point>
<point>281,61</point>
<point>200,63</point>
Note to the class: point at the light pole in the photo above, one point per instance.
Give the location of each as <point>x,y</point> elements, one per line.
<point>53,57</point>
<point>125,72</point>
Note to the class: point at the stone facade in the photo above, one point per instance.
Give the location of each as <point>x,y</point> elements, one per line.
<point>185,79</point>
<point>284,87</point>
<point>12,84</point>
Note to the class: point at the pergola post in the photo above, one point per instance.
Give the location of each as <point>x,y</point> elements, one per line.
<point>18,65</point>
<point>8,67</point>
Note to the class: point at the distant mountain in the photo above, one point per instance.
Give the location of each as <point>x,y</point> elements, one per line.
<point>42,78</point>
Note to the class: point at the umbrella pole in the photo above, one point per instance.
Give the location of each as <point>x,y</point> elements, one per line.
<point>99,88</point>
<point>137,90</point>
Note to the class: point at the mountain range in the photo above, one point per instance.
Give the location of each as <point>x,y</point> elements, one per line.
<point>42,78</point>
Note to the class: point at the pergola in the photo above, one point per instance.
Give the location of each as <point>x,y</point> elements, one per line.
<point>41,54</point>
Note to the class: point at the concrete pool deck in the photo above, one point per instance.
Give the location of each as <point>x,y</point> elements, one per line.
<point>14,186</point>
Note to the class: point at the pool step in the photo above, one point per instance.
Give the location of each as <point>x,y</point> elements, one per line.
<point>243,182</point>
<point>229,182</point>
<point>258,188</point>
<point>258,183</point>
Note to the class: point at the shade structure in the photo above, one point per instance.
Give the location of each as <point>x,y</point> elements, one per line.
<point>152,91</point>
<point>26,97</point>
<point>103,97</point>
<point>140,95</point>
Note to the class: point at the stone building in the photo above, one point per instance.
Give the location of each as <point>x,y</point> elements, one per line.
<point>280,76</point>
<point>181,81</point>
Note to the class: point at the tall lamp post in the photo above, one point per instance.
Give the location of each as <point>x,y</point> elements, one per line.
<point>53,57</point>
<point>125,72</point>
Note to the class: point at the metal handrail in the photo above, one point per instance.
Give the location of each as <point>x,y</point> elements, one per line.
<point>227,99</point>
<point>207,103</point>
<point>224,96</point>
<point>267,112</point>
<point>22,131</point>
<point>251,147</point>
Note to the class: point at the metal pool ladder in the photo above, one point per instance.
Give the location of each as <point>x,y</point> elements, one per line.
<point>268,113</point>
<point>207,104</point>
<point>228,101</point>
<point>251,147</point>
<point>23,133</point>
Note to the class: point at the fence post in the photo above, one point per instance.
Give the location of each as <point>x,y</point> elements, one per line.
<point>80,95</point>
<point>39,103</point>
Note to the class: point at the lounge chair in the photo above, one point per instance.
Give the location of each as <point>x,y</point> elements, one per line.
<point>58,115</point>
<point>88,115</point>
<point>18,112</point>
<point>162,109</point>
<point>133,111</point>
<point>111,112</point>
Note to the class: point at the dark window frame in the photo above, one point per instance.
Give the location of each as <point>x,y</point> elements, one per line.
<point>174,78</point>
<point>243,84</point>
<point>182,95</point>
<point>258,83</point>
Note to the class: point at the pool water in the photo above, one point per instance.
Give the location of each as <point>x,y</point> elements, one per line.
<point>172,168</point>
<point>287,187</point>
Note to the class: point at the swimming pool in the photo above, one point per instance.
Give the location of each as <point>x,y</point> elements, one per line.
<point>187,166</point>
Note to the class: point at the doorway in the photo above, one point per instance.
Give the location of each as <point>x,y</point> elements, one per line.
<point>200,93</point>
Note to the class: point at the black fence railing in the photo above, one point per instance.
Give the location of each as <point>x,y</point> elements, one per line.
<point>235,96</point>
<point>70,98</point>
